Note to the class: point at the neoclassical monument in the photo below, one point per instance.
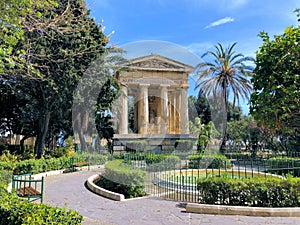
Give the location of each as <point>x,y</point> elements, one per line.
<point>155,89</point>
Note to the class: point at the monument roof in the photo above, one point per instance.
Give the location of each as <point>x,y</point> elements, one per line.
<point>156,62</point>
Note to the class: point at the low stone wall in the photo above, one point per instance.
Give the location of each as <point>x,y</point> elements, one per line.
<point>242,210</point>
<point>101,191</point>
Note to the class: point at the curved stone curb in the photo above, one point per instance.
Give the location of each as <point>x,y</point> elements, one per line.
<point>101,191</point>
<point>242,210</point>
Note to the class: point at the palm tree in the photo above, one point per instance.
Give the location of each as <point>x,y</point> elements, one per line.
<point>225,73</point>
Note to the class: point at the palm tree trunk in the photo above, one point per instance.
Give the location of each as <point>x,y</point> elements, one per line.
<point>225,110</point>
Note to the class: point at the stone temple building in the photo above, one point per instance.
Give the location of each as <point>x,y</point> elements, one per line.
<point>154,92</point>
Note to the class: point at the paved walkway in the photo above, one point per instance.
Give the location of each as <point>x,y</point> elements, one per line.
<point>68,190</point>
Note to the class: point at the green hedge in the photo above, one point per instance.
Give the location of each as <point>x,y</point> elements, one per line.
<point>154,162</point>
<point>208,161</point>
<point>43,165</point>
<point>158,158</point>
<point>14,210</point>
<point>268,192</point>
<point>95,159</point>
<point>128,181</point>
<point>162,162</point>
<point>155,158</point>
<point>284,165</point>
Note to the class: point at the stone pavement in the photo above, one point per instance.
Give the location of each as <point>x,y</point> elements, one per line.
<point>68,190</point>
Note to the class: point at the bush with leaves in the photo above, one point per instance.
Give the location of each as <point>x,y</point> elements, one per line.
<point>14,210</point>
<point>215,161</point>
<point>161,162</point>
<point>95,159</point>
<point>267,192</point>
<point>123,179</point>
<point>41,165</point>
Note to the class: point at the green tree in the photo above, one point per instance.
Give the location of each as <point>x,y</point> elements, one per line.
<point>239,130</point>
<point>225,73</point>
<point>60,55</point>
<point>204,131</point>
<point>94,98</point>
<point>14,20</point>
<point>234,112</point>
<point>199,107</point>
<point>276,81</point>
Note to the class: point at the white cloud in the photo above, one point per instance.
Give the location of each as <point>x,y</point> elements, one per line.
<point>220,22</point>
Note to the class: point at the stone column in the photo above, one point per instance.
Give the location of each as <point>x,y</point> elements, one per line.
<point>123,128</point>
<point>164,108</point>
<point>179,110</point>
<point>174,113</point>
<point>184,124</point>
<point>143,109</point>
<point>171,117</point>
<point>178,107</point>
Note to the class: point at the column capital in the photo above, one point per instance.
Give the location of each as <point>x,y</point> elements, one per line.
<point>164,85</point>
<point>185,86</point>
<point>144,85</point>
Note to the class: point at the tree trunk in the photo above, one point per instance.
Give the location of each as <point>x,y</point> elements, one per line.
<point>42,132</point>
<point>22,144</point>
<point>82,123</point>
<point>225,108</point>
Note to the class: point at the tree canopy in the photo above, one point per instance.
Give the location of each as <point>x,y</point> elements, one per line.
<point>276,81</point>
<point>60,42</point>
<point>14,20</point>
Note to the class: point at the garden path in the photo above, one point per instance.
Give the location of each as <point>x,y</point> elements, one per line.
<point>68,190</point>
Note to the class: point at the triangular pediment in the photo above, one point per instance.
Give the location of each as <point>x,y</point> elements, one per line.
<point>158,63</point>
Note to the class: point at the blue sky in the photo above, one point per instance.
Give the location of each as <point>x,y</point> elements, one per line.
<point>194,25</point>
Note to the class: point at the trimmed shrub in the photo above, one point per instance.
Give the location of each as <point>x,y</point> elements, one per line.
<point>95,159</point>
<point>155,158</point>
<point>41,165</point>
<point>268,192</point>
<point>160,162</point>
<point>136,146</point>
<point>158,158</point>
<point>123,179</point>
<point>208,161</point>
<point>14,210</point>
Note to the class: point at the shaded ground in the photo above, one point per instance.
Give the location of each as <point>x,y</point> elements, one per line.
<point>68,190</point>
